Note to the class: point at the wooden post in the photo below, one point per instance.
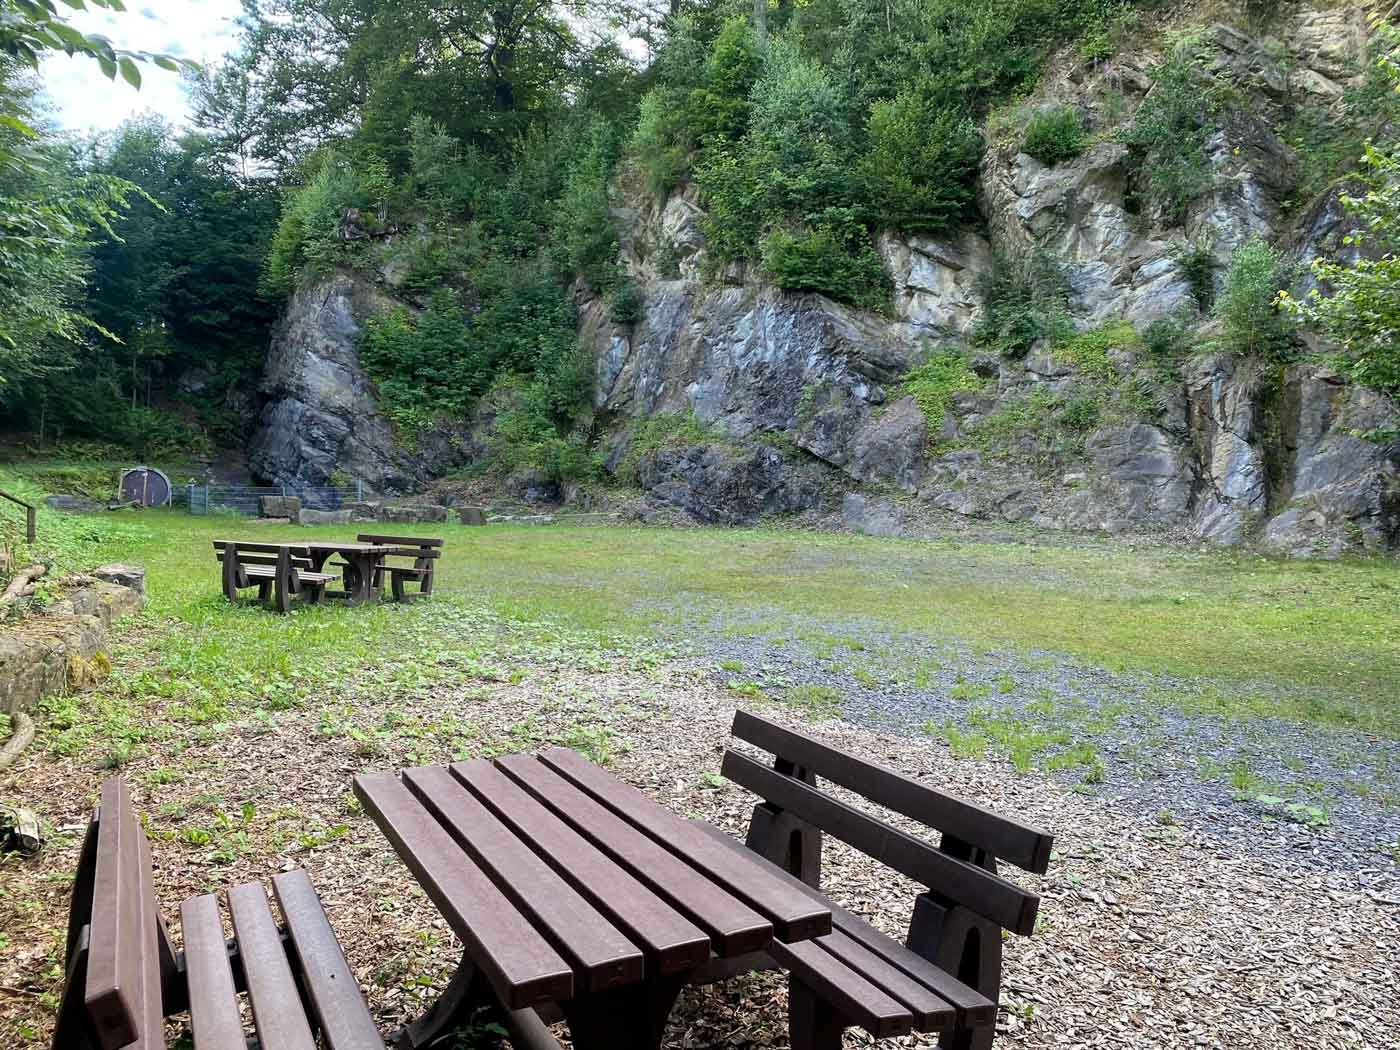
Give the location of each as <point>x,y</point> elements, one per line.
<point>31,525</point>
<point>282,594</point>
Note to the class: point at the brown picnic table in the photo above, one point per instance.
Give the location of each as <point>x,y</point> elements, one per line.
<point>575,895</point>
<point>283,569</point>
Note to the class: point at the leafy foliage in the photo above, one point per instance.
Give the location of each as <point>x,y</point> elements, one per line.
<point>933,384</point>
<point>1172,126</point>
<point>1251,321</point>
<point>1055,134</point>
<point>1024,301</point>
<point>1358,305</point>
<point>922,163</point>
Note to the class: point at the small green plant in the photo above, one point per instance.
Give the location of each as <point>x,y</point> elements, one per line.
<point>819,701</point>
<point>1196,263</point>
<point>1055,134</point>
<point>1089,351</point>
<point>933,384</point>
<point>732,666</point>
<point>1172,127</point>
<point>1025,300</point>
<point>963,743</point>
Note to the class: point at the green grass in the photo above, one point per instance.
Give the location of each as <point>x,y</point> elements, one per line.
<point>1307,641</point>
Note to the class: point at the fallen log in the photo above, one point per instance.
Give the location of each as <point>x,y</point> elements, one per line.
<point>22,586</point>
<point>22,737</point>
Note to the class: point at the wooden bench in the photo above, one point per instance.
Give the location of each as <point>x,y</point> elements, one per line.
<point>422,550</point>
<point>279,571</point>
<point>947,977</point>
<point>124,977</point>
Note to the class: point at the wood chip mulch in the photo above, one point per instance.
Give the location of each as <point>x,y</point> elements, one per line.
<point>1150,936</point>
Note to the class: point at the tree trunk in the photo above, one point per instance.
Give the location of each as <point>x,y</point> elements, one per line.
<point>760,23</point>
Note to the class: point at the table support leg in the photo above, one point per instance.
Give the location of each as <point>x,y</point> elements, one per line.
<point>813,1023</point>
<point>465,994</point>
<point>632,1018</point>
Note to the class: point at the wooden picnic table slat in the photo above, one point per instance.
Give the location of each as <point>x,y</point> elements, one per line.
<point>522,967</point>
<point>795,916</point>
<point>601,956</point>
<point>671,942</point>
<point>733,926</point>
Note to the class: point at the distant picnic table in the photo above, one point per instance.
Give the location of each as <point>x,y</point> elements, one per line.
<point>284,570</point>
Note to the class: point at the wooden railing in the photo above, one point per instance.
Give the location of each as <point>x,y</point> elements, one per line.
<point>30,516</point>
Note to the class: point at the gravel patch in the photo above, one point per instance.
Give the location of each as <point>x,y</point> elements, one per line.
<point>1307,794</point>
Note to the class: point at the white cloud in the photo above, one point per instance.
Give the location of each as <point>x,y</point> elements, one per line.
<point>84,100</point>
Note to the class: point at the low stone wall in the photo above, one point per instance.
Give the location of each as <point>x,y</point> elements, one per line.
<point>65,647</point>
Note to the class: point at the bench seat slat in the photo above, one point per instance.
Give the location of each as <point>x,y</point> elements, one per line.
<point>735,928</point>
<point>976,888</point>
<point>973,1008</point>
<point>344,1018</point>
<point>522,967</point>
<point>793,914</point>
<point>278,1014</point>
<point>856,998</point>
<point>602,957</point>
<point>1020,844</point>
<point>932,1013</point>
<point>214,1014</point>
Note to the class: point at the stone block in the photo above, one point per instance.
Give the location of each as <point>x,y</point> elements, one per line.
<point>280,506</point>
<point>324,517</point>
<point>472,515</point>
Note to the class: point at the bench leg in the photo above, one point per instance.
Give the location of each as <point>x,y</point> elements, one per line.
<point>813,1023</point>
<point>264,590</point>
<point>791,844</point>
<point>396,583</point>
<point>632,1018</point>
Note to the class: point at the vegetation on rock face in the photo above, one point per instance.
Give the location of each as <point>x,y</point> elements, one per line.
<point>1055,134</point>
<point>1252,325</point>
<point>933,384</point>
<point>1170,131</point>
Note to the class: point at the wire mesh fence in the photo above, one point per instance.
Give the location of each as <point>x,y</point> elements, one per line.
<point>248,499</point>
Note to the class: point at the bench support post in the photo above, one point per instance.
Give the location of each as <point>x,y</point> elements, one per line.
<point>962,943</point>
<point>783,839</point>
<point>813,1023</point>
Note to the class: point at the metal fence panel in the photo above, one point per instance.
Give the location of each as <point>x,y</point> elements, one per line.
<point>246,500</point>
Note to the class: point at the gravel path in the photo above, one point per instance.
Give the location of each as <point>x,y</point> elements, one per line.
<point>1324,798</point>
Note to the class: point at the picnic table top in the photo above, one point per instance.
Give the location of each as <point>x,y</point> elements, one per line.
<point>350,546</point>
<point>560,880</point>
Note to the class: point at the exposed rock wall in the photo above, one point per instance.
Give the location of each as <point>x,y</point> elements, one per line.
<point>320,412</point>
<point>1238,452</point>
<point>803,397</point>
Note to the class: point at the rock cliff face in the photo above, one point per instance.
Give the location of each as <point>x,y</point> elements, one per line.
<point>804,400</point>
<point>1232,451</point>
<point>319,413</point>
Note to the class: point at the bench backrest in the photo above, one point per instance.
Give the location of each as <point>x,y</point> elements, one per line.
<point>422,546</point>
<point>961,868</point>
<point>116,936</point>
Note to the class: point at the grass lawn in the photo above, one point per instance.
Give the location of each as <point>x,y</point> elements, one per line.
<point>1313,641</point>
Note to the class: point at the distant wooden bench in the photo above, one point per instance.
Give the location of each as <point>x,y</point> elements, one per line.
<point>947,978</point>
<point>124,976</point>
<point>422,550</point>
<point>279,571</point>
